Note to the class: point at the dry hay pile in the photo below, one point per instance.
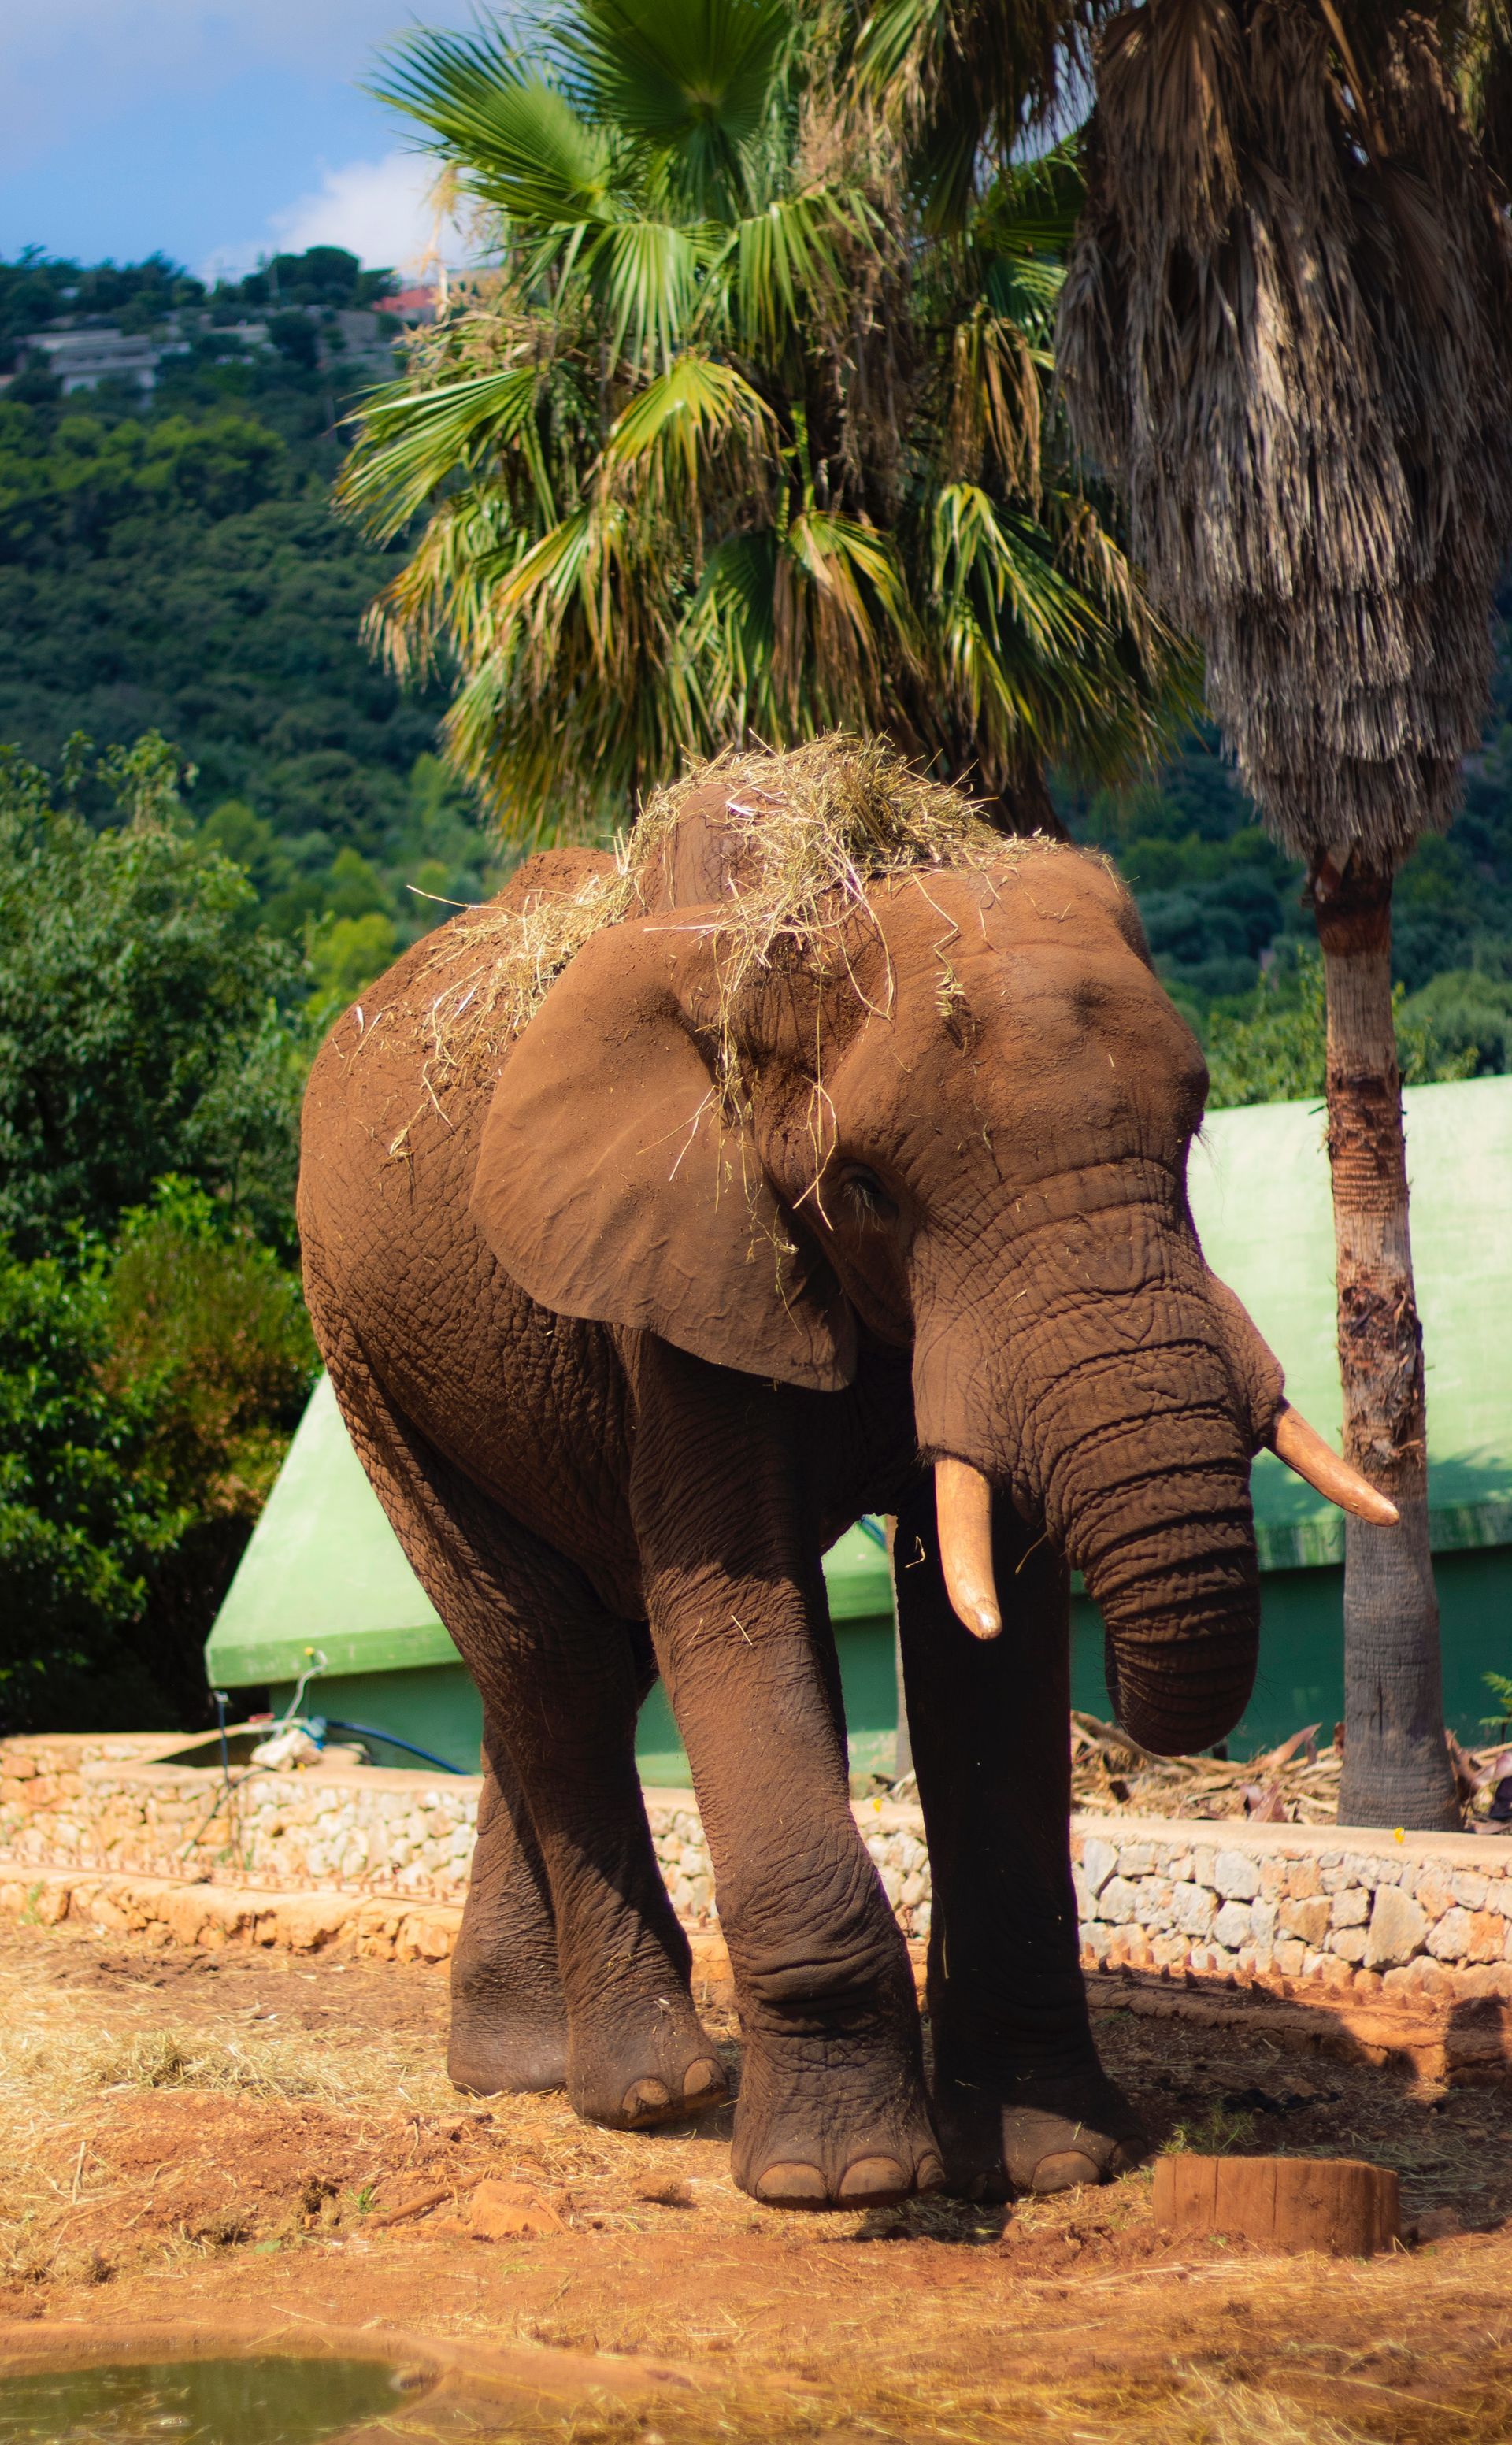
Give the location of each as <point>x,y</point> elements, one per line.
<point>1295,1783</point>
<point>826,821</point>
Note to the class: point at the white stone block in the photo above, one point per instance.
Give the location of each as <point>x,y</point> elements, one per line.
<point>1194,1907</point>
<point>1352,1907</point>
<point>1233,1926</point>
<point>1235,1875</point>
<point>1450,1940</point>
<point>1098,1861</point>
<point>1118,1902</point>
<point>1397,1927</point>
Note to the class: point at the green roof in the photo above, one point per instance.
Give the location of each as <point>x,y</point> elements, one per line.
<point>323,1569</point>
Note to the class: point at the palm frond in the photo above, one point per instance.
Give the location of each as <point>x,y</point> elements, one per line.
<point>516,139</point>
<point>414,443</point>
<point>785,262</point>
<point>725,442</point>
<point>681,425</point>
<point>694,79</point>
<point>645,277</point>
<point>961,85</point>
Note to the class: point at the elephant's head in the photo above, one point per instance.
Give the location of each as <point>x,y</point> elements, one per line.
<point>959,1123</point>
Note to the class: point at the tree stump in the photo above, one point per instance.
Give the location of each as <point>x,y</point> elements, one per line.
<point>1336,2204</point>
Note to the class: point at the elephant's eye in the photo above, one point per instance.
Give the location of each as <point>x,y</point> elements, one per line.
<point>867,1197</point>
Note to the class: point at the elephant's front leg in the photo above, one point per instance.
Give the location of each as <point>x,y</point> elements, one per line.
<point>1021,2101</point>
<point>832,2107</point>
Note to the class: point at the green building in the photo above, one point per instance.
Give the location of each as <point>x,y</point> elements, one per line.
<point>324,1577</point>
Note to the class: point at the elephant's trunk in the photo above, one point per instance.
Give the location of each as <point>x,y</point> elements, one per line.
<point>1140,1453</point>
<point>1120,1391</point>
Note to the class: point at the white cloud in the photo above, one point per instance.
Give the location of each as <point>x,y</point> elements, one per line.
<point>381,211</point>
<point>384,212</point>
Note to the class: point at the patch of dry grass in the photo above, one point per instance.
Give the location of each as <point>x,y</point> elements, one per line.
<point>66,2070</point>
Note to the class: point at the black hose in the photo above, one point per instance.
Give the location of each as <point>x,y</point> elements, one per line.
<point>370,1732</point>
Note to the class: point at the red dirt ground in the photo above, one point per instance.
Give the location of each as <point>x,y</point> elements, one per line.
<point>205,2134</point>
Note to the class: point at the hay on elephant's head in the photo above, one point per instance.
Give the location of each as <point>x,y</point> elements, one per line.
<point>820,823</point>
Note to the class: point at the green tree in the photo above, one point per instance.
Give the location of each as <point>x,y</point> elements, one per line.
<point>724,444</point>
<point>148,1391</point>
<point>79,1519</point>
<point>1274,1048</point>
<point>147,1022</point>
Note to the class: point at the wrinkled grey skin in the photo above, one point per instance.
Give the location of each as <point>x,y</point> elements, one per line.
<point>615,1435</point>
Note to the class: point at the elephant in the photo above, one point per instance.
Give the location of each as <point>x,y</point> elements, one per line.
<point>839,1168</point>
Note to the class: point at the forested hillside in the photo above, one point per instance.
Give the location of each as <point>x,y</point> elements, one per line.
<point>173,564</point>
<point>260,823</point>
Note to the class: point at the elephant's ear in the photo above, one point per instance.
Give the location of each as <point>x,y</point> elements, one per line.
<point>609,1184</point>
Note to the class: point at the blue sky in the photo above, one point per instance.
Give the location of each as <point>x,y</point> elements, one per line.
<point>215,129</point>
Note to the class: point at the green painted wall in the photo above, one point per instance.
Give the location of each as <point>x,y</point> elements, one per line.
<point>323,1572</point>
<point>1301,1669</point>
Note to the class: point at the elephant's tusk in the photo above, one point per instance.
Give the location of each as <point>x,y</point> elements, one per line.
<point>1302,1447</point>
<point>964,1508</point>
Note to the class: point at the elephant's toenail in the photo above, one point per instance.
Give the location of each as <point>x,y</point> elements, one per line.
<point>929,2174</point>
<point>701,2076</point>
<point>1067,2169</point>
<point>785,2186</point>
<point>647,2097</point>
<point>874,2180</point>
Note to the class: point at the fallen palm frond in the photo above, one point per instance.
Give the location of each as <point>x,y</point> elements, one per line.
<point>1295,1783</point>
<point>819,825</point>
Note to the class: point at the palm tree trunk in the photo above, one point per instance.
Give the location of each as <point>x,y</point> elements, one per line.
<point>1397,1766</point>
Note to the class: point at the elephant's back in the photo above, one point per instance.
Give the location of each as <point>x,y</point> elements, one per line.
<point>397,1090</point>
<point>400,1281</point>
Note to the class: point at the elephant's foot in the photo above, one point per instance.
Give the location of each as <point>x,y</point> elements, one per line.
<point>1037,2132</point>
<point>644,2062</point>
<point>497,2044</point>
<point>812,2134</point>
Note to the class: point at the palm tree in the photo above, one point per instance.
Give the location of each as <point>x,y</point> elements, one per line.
<point>719,445</point>
<point>1286,332</point>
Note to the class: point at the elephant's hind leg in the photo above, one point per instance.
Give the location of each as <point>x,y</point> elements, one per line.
<point>509,2017</point>
<point>560,1684</point>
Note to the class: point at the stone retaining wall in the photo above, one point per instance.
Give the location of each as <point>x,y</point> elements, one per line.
<point>1298,1911</point>
<point>1375,1921</point>
<point>111,1806</point>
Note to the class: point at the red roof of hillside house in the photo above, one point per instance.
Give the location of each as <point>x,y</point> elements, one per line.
<point>410,304</point>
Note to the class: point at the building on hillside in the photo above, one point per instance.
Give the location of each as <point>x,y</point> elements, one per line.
<point>365,339</point>
<point>83,359</point>
<point>324,1577</point>
<point>411,306</point>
